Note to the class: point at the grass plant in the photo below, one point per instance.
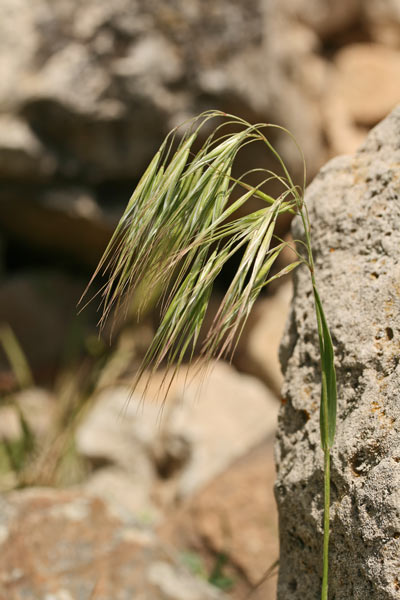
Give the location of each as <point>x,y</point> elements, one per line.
<point>181,226</point>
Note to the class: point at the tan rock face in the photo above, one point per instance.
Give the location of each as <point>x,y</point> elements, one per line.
<point>383,19</point>
<point>205,424</point>
<point>364,85</point>
<point>67,545</point>
<point>326,17</point>
<point>234,515</point>
<point>368,81</point>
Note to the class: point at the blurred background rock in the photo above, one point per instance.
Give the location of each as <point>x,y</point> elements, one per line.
<point>88,91</point>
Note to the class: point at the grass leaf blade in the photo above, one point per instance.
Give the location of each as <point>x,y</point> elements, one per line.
<point>328,405</point>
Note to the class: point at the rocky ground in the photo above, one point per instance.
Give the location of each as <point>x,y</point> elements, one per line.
<point>159,503</point>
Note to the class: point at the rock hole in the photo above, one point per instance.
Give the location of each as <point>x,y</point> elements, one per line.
<point>300,542</point>
<point>307,358</point>
<point>292,585</point>
<point>389,333</point>
<point>296,419</point>
<point>280,490</point>
<point>375,275</point>
<point>396,535</point>
<point>100,462</point>
<point>364,460</point>
<point>170,455</point>
<point>370,510</point>
<point>297,540</point>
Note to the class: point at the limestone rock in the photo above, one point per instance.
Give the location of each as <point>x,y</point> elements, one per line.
<point>69,545</point>
<point>21,153</point>
<point>325,17</point>
<point>368,81</point>
<point>234,515</point>
<point>100,83</point>
<point>354,206</point>
<point>383,19</point>
<point>127,493</point>
<point>203,426</point>
<point>89,89</point>
<point>18,43</point>
<point>363,87</point>
<point>296,80</point>
<point>222,420</point>
<point>87,78</point>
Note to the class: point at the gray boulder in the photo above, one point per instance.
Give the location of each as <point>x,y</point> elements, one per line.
<point>354,206</point>
<point>96,85</point>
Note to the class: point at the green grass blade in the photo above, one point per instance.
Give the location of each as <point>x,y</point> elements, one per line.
<point>328,408</point>
<point>328,392</point>
<point>16,356</point>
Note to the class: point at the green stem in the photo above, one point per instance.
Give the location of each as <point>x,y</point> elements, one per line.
<point>326,449</point>
<point>327,486</point>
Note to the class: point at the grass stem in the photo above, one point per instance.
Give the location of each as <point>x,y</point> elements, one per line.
<point>327,490</point>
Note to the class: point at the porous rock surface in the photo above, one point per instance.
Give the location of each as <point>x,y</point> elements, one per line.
<point>354,206</point>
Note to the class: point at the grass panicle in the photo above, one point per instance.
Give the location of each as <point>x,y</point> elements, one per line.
<point>183,223</point>
<point>181,227</point>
